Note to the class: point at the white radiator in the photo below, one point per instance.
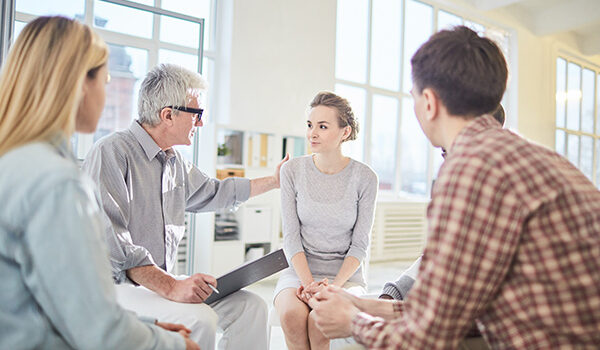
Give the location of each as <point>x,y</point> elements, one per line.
<point>399,231</point>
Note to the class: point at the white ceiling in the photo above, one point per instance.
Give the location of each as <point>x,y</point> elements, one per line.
<point>581,18</point>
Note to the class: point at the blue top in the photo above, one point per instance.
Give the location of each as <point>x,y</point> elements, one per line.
<point>56,290</point>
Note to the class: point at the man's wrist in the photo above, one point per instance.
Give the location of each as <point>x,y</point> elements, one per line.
<point>359,303</point>
<point>167,287</point>
<point>355,323</point>
<point>274,182</point>
<point>153,278</point>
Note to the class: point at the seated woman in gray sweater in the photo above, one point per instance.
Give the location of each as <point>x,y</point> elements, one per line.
<point>327,203</point>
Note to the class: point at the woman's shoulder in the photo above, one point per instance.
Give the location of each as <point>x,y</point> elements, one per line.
<point>296,163</point>
<point>38,164</point>
<point>30,173</point>
<point>363,170</point>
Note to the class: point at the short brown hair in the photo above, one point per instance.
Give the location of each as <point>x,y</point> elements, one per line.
<point>467,72</point>
<point>344,111</point>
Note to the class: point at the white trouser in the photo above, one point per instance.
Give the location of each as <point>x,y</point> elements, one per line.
<point>241,316</point>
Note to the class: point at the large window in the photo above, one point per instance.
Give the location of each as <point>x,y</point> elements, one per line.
<point>139,37</point>
<point>161,31</point>
<point>577,115</point>
<point>375,41</point>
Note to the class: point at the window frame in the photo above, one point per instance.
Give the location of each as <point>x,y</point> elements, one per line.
<point>584,64</point>
<point>509,100</point>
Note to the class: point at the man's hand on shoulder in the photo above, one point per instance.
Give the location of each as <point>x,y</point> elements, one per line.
<point>278,169</point>
<point>193,289</point>
<point>261,185</point>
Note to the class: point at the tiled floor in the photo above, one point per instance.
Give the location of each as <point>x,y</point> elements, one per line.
<point>378,275</point>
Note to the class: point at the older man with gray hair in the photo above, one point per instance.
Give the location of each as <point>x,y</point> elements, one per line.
<point>146,187</point>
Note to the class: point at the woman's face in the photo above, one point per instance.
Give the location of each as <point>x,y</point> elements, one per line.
<point>323,131</point>
<point>92,102</point>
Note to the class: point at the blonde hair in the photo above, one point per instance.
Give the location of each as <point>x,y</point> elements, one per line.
<point>41,80</point>
<point>344,111</point>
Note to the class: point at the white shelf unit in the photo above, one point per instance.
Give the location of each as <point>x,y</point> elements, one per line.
<point>259,219</point>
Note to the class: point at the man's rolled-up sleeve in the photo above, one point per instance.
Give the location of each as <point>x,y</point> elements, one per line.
<point>208,194</point>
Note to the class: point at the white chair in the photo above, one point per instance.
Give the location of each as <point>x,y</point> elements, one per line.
<point>273,321</point>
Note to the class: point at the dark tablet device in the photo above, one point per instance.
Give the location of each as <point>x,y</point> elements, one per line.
<point>250,272</point>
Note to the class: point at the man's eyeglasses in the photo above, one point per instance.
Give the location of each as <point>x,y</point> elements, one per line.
<point>196,111</point>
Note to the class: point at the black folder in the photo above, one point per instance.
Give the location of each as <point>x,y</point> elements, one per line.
<point>248,273</point>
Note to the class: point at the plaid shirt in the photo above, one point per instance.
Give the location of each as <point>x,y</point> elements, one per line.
<point>513,243</point>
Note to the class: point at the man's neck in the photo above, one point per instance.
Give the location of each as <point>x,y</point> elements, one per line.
<point>159,136</point>
<point>450,128</point>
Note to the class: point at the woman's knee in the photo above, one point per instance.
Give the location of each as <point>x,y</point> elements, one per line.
<point>293,318</point>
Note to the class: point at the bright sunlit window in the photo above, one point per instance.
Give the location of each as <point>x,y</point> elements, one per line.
<point>138,40</point>
<point>577,115</point>
<point>375,41</point>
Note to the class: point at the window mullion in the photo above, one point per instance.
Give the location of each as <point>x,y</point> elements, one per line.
<point>367,147</point>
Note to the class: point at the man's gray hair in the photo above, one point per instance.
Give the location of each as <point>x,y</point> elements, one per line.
<point>167,85</point>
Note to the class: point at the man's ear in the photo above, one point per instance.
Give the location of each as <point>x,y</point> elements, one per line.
<point>432,104</point>
<point>166,116</point>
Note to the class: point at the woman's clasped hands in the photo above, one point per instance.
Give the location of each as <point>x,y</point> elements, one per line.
<point>304,293</point>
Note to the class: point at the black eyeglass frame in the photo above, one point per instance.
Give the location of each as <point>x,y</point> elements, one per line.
<point>197,111</point>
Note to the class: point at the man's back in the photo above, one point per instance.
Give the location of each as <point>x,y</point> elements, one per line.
<point>530,239</point>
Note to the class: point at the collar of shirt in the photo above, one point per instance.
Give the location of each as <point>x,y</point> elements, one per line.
<point>148,144</point>
<point>478,125</point>
<point>63,145</point>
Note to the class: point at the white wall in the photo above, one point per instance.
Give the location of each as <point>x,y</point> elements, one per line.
<point>281,52</point>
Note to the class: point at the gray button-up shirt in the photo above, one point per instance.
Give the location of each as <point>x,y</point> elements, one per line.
<point>145,192</point>
<point>56,290</point>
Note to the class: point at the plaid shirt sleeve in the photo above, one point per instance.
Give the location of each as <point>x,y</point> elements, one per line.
<point>472,211</point>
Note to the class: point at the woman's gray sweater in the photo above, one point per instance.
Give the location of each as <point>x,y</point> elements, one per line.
<point>328,217</point>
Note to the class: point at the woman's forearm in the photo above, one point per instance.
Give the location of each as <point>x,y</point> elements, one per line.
<point>349,266</point>
<point>301,267</point>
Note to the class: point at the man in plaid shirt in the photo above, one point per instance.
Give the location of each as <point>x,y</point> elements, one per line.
<point>514,228</point>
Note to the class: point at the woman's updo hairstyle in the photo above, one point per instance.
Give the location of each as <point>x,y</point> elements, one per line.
<point>344,111</point>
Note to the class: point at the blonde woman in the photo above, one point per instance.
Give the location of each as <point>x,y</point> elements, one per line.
<point>327,203</point>
<point>56,291</point>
